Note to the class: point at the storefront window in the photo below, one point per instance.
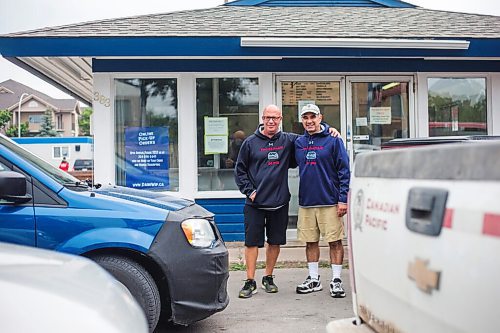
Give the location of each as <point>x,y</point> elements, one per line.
<point>457,106</point>
<point>227,112</point>
<point>146,134</point>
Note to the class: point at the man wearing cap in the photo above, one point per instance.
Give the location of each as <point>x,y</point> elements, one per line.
<point>261,174</point>
<point>324,181</point>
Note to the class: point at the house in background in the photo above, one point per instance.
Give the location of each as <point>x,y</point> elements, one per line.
<point>65,112</point>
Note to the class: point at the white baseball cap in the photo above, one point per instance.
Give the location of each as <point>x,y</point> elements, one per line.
<point>309,108</point>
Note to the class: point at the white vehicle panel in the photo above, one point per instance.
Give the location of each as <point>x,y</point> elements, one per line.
<point>411,282</point>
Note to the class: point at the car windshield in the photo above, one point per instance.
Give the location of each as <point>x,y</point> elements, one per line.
<point>58,175</point>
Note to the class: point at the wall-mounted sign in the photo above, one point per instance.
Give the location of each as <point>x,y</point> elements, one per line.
<point>380,115</point>
<point>146,157</point>
<point>322,92</point>
<point>216,135</point>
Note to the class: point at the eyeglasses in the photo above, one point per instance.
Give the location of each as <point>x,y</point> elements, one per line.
<point>266,118</point>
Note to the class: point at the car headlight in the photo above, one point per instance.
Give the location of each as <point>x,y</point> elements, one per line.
<point>198,232</point>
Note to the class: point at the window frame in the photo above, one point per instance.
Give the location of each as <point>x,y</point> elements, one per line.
<point>266,96</point>
<point>68,156</point>
<point>255,77</point>
<point>423,98</point>
<point>112,105</point>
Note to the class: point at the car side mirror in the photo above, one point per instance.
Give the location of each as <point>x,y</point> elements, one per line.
<point>13,187</point>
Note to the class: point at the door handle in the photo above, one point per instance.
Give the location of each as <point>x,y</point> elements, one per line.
<point>425,210</point>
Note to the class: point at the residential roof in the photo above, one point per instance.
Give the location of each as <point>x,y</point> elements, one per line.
<point>7,100</point>
<point>251,21</point>
<point>67,56</point>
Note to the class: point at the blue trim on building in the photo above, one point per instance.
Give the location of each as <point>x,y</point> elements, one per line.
<point>321,3</point>
<point>212,46</point>
<point>294,65</point>
<point>53,140</point>
<point>228,216</point>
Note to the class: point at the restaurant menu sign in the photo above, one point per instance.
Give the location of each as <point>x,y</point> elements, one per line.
<point>322,92</point>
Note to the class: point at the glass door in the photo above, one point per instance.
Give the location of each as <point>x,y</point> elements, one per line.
<point>378,111</point>
<point>293,93</point>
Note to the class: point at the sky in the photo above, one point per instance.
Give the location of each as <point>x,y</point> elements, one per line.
<point>20,15</point>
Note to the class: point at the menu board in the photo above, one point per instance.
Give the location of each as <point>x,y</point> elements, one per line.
<point>323,92</point>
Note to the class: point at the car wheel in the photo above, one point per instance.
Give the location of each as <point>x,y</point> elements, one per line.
<point>138,281</point>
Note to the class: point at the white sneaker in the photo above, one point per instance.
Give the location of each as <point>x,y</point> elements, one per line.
<point>309,285</point>
<point>336,288</point>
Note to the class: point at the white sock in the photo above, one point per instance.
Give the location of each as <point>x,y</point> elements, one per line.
<point>313,270</point>
<point>336,270</point>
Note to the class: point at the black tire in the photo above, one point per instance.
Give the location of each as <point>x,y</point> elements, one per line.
<point>138,281</point>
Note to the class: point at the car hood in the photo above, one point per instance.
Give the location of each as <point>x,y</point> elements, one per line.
<point>155,199</point>
<point>62,293</point>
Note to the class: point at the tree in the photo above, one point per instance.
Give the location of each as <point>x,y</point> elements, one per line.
<point>47,126</point>
<point>84,121</point>
<point>13,131</point>
<point>5,117</point>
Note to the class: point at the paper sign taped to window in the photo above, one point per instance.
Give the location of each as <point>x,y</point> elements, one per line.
<point>216,144</point>
<point>380,115</point>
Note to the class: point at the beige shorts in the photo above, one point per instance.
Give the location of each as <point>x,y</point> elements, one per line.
<point>317,221</point>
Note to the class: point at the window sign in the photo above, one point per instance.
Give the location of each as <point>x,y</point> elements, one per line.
<point>380,115</point>
<point>216,135</point>
<point>216,144</point>
<point>146,153</point>
<point>361,121</point>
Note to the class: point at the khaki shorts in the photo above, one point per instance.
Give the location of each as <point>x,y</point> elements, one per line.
<point>317,221</point>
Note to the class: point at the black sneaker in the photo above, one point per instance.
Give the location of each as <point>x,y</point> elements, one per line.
<point>309,285</point>
<point>249,288</point>
<point>268,284</point>
<point>336,288</point>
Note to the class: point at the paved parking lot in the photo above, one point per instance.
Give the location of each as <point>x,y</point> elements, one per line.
<point>285,311</point>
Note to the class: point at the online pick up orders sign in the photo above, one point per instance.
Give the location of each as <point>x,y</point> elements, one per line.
<point>146,153</point>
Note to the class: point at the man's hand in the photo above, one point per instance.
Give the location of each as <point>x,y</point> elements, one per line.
<point>341,209</point>
<point>333,132</point>
<point>252,196</point>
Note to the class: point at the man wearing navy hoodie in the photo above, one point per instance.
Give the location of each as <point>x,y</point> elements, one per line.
<point>324,182</point>
<point>261,174</point>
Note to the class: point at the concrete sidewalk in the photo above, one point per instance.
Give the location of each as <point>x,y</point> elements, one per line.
<point>293,252</point>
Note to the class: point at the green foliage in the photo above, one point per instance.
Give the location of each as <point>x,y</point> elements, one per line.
<point>84,121</point>
<point>440,109</point>
<point>12,131</point>
<point>5,117</point>
<point>47,126</point>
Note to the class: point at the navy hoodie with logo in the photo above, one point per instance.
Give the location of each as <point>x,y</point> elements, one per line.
<point>323,168</point>
<point>262,166</point>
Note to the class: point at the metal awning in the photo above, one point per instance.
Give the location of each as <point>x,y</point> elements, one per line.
<point>73,75</point>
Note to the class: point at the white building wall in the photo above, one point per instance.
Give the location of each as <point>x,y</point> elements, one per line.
<point>103,129</point>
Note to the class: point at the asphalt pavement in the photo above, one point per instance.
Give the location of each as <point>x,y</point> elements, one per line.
<point>285,311</point>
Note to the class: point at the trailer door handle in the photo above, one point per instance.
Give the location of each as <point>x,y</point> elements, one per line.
<point>425,210</point>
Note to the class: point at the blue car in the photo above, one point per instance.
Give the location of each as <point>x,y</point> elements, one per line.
<point>167,251</point>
